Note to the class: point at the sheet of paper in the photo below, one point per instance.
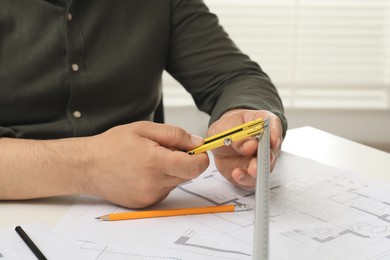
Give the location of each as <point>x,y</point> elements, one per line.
<point>12,247</point>
<point>317,212</point>
<point>159,238</point>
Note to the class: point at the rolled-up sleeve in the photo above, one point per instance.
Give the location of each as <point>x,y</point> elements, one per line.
<point>6,132</point>
<point>212,68</point>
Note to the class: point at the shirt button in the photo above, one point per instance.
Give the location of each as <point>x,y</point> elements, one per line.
<point>77,114</point>
<point>69,17</point>
<point>75,67</point>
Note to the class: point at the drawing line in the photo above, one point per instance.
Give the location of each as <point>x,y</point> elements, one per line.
<point>101,253</point>
<point>355,191</point>
<point>345,232</point>
<point>183,240</point>
<point>234,201</point>
<point>211,174</point>
<point>381,217</point>
<point>106,251</point>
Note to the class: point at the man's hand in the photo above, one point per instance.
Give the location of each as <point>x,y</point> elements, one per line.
<point>238,162</point>
<point>133,165</point>
<point>137,165</point>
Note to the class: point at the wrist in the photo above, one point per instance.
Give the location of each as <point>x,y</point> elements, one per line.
<point>73,163</point>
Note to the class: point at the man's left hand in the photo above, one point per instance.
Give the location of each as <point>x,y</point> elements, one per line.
<point>238,162</point>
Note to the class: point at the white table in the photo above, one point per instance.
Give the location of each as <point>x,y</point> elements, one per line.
<point>338,152</point>
<point>305,142</point>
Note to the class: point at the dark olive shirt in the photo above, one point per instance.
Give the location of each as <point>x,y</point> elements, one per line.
<point>77,68</point>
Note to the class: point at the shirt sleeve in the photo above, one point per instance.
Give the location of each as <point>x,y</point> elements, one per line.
<point>6,132</point>
<point>211,67</point>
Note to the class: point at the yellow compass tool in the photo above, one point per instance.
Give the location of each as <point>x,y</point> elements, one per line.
<point>253,128</point>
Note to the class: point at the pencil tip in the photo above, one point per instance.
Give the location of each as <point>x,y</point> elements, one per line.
<point>243,207</point>
<point>103,218</point>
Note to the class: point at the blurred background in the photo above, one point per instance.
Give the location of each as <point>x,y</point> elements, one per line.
<point>329,59</point>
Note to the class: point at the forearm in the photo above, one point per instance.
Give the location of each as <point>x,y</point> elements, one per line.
<point>36,168</point>
<point>211,67</point>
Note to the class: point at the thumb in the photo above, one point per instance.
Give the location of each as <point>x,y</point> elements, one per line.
<point>172,137</point>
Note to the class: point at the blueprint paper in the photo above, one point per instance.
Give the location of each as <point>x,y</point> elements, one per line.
<point>12,247</point>
<point>316,212</point>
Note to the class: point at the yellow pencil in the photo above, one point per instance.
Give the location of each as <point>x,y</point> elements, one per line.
<point>174,212</point>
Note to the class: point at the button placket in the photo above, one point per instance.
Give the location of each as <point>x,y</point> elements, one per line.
<point>77,79</point>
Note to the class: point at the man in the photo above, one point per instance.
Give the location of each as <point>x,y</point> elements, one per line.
<point>80,82</point>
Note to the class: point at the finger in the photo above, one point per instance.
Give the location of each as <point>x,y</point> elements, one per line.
<point>243,179</point>
<point>276,132</point>
<point>274,123</point>
<point>183,165</point>
<point>246,147</point>
<point>253,164</point>
<point>170,136</point>
<point>252,167</point>
<point>275,154</point>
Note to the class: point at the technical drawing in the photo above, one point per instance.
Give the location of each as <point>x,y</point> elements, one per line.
<point>316,212</point>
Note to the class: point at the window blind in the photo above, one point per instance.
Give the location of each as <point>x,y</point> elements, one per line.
<point>319,53</point>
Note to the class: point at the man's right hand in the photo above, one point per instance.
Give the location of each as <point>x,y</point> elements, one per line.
<point>138,164</point>
<point>133,165</point>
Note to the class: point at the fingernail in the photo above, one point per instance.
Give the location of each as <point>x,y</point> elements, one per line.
<point>241,176</point>
<point>196,140</point>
